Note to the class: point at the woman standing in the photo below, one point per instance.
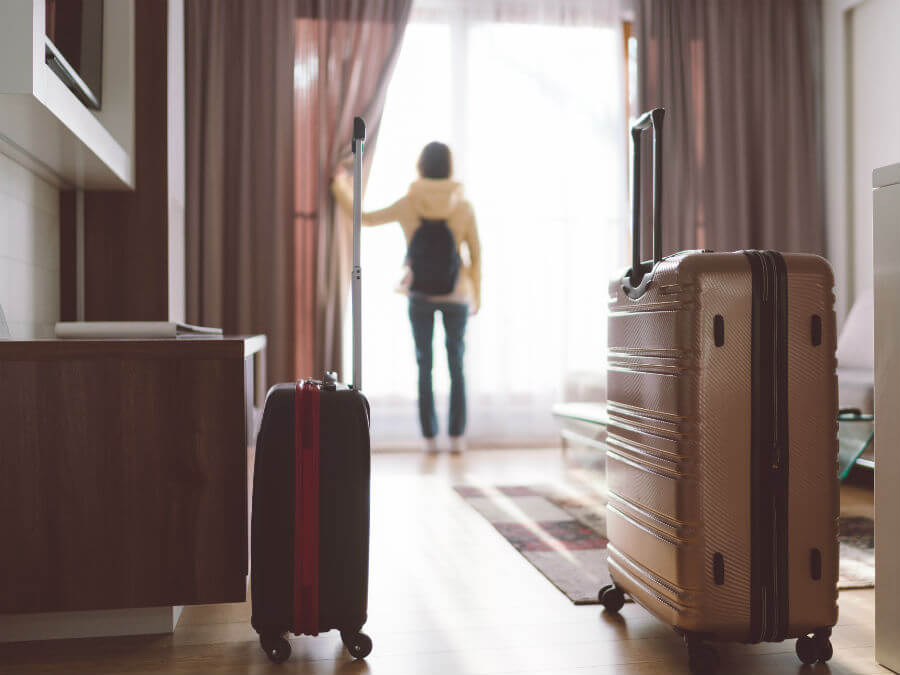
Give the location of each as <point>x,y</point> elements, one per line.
<point>438,223</point>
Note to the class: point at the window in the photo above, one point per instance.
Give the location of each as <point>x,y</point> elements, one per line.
<point>535,116</point>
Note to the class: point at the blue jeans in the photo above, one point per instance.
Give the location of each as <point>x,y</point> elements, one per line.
<point>421,316</point>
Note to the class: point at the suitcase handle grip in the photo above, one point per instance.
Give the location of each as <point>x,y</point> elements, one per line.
<point>359,131</point>
<point>652,119</point>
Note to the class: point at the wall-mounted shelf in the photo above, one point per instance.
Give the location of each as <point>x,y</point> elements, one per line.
<point>44,125</point>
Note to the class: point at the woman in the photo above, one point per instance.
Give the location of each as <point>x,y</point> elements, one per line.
<point>437,221</point>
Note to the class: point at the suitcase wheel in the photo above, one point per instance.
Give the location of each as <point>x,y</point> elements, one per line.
<point>276,647</point>
<point>612,598</point>
<point>813,649</point>
<point>358,644</point>
<point>702,658</point>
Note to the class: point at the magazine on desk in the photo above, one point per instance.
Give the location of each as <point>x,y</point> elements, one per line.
<point>83,330</point>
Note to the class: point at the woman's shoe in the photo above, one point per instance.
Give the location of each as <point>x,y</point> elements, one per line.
<point>457,445</point>
<point>429,446</point>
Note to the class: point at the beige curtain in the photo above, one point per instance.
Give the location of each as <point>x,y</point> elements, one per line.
<point>741,84</point>
<point>345,52</point>
<point>239,212</point>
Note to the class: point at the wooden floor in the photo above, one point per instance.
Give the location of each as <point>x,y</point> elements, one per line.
<point>449,596</point>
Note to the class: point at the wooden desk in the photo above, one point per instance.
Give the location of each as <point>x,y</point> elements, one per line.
<point>124,471</point>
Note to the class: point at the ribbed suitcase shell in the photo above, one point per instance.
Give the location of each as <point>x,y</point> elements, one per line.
<point>679,444</point>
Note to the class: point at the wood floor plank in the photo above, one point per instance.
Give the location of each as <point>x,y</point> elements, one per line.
<point>449,596</point>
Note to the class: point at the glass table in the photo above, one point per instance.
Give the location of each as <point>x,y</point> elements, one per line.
<point>856,435</point>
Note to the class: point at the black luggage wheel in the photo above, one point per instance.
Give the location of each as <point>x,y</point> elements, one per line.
<point>815,648</point>
<point>276,647</point>
<point>358,644</point>
<point>612,598</point>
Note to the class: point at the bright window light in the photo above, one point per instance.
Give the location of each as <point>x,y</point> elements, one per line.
<point>535,116</point>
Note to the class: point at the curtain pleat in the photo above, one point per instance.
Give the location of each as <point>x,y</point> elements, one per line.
<point>741,85</point>
<point>239,203</point>
<point>345,53</point>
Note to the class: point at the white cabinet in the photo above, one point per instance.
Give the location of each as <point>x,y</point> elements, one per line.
<point>886,194</point>
<point>43,124</point>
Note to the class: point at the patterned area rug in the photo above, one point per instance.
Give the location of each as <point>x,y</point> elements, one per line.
<point>563,534</point>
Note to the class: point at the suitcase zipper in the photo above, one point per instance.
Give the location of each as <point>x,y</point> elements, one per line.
<point>771,600</point>
<point>776,409</point>
<point>780,464</point>
<point>768,457</point>
<point>772,478</point>
<point>772,591</point>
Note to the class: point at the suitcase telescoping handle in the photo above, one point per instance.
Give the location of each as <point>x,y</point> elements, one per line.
<point>359,139</point>
<point>652,119</point>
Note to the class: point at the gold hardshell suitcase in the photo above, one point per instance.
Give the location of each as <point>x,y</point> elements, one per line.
<point>723,493</point>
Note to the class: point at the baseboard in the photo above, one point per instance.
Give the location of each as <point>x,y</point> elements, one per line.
<point>100,623</point>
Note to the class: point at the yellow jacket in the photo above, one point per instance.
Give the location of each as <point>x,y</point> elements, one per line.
<point>433,199</point>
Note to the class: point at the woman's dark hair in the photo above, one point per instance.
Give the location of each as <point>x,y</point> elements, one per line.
<point>435,161</point>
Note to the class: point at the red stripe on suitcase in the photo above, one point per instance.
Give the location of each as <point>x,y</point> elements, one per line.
<point>300,426</point>
<point>306,509</point>
<point>311,493</point>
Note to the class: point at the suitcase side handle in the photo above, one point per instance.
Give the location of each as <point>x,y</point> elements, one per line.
<point>652,119</point>
<point>359,138</point>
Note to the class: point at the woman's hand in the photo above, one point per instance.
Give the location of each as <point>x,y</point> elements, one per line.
<point>342,181</point>
<point>342,189</point>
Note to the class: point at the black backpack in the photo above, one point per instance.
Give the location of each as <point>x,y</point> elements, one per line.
<point>433,257</point>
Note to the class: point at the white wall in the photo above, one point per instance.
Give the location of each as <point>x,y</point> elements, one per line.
<point>861,66</point>
<point>875,68</point>
<point>29,251</point>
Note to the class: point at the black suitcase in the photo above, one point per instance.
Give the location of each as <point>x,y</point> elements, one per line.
<point>310,520</point>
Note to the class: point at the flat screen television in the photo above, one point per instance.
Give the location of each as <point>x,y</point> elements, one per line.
<point>74,47</point>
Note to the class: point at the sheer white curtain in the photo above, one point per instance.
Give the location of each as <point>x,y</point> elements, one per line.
<point>530,97</point>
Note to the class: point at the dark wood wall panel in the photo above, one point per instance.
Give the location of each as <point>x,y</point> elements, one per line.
<point>126,233</point>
